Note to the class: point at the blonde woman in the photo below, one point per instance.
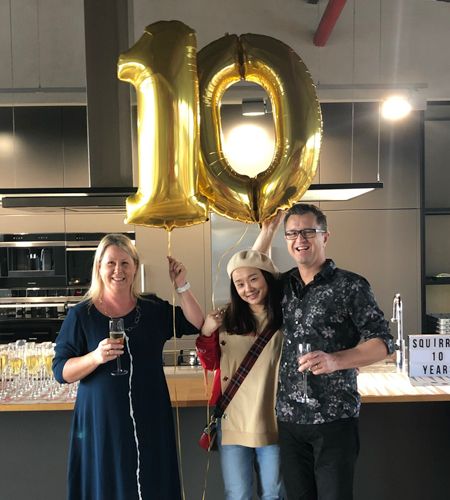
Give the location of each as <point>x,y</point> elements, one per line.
<point>122,440</point>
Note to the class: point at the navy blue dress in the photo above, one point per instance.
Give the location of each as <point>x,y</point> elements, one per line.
<point>122,444</point>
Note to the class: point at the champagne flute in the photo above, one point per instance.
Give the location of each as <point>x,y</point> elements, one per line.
<point>304,348</point>
<point>117,331</point>
<point>3,366</point>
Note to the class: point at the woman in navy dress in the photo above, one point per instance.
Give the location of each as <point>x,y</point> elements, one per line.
<point>122,442</point>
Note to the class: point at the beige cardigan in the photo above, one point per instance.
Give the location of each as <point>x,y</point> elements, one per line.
<point>249,419</point>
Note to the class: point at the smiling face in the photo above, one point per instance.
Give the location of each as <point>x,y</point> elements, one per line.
<point>251,286</point>
<point>117,270</point>
<point>309,254</point>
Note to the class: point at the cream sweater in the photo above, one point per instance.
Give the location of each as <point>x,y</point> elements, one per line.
<point>249,419</point>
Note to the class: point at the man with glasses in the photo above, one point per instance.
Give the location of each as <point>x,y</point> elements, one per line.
<point>335,312</point>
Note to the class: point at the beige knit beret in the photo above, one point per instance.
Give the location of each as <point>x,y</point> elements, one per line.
<point>251,258</point>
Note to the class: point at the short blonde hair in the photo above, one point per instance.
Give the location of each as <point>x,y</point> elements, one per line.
<point>95,291</point>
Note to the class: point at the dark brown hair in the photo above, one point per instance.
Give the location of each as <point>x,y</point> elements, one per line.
<point>306,208</point>
<point>239,318</point>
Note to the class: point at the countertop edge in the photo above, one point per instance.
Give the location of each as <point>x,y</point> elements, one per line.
<point>190,391</point>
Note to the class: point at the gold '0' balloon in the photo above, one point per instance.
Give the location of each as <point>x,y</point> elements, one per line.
<point>297,120</point>
<point>162,66</point>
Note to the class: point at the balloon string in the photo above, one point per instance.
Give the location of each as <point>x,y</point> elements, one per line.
<point>136,439</point>
<point>216,279</point>
<point>177,411</point>
<point>205,482</point>
<point>169,243</point>
<point>219,264</point>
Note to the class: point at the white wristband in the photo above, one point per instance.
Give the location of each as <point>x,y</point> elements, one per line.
<point>183,288</point>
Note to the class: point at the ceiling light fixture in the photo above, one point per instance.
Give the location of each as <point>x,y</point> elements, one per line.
<point>24,198</point>
<point>115,198</point>
<point>254,107</point>
<point>339,191</point>
<point>415,93</point>
<point>248,148</point>
<point>396,107</point>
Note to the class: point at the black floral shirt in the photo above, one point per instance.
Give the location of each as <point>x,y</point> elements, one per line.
<point>335,311</point>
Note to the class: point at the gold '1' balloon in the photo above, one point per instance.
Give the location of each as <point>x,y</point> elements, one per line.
<point>297,121</point>
<point>162,66</point>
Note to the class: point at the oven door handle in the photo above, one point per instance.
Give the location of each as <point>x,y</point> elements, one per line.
<point>80,249</point>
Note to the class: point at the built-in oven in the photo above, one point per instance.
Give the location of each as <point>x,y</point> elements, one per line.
<point>32,260</point>
<point>80,251</point>
<point>48,260</point>
<point>41,277</point>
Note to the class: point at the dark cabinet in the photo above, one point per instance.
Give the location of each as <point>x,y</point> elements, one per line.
<point>350,144</point>
<point>43,146</point>
<point>436,215</point>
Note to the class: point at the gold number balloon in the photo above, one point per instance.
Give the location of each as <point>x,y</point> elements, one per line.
<point>297,120</point>
<point>162,67</point>
<point>176,162</point>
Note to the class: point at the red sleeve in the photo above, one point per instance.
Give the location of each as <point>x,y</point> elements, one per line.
<point>208,351</point>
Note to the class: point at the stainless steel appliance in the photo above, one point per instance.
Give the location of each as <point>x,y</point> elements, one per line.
<point>37,318</point>
<point>397,317</point>
<point>47,259</point>
<point>41,276</point>
<point>32,260</point>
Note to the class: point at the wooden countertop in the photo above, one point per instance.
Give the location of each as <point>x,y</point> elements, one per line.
<point>397,388</point>
<point>187,389</point>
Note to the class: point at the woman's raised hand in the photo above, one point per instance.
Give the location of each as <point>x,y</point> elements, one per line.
<point>269,227</point>
<point>177,272</point>
<point>274,222</point>
<point>212,322</point>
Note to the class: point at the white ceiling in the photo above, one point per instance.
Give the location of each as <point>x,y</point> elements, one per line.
<point>376,42</point>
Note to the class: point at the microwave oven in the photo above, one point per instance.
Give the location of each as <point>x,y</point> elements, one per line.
<point>48,260</point>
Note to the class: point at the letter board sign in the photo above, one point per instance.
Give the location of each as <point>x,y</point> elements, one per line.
<point>429,356</point>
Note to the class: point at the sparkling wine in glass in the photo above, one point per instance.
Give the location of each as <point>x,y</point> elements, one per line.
<point>304,348</point>
<point>117,331</point>
<point>3,366</point>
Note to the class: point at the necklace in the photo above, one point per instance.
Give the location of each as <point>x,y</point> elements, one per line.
<point>137,316</point>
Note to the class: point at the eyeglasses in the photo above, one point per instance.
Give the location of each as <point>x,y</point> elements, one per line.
<point>307,233</point>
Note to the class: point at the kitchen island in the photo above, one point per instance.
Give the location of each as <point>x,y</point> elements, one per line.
<point>404,440</point>
<point>188,387</point>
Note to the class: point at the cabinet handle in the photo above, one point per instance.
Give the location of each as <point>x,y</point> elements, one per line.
<point>142,278</point>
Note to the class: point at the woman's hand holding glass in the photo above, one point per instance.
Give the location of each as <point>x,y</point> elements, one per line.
<point>109,348</point>
<point>117,338</point>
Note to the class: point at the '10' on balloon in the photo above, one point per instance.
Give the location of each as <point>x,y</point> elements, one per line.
<point>183,171</point>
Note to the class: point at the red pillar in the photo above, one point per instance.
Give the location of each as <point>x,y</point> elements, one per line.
<point>329,18</point>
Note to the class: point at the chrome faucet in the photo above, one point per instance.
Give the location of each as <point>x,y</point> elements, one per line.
<point>397,317</point>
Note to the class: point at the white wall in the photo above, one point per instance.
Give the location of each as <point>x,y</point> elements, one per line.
<point>394,41</point>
